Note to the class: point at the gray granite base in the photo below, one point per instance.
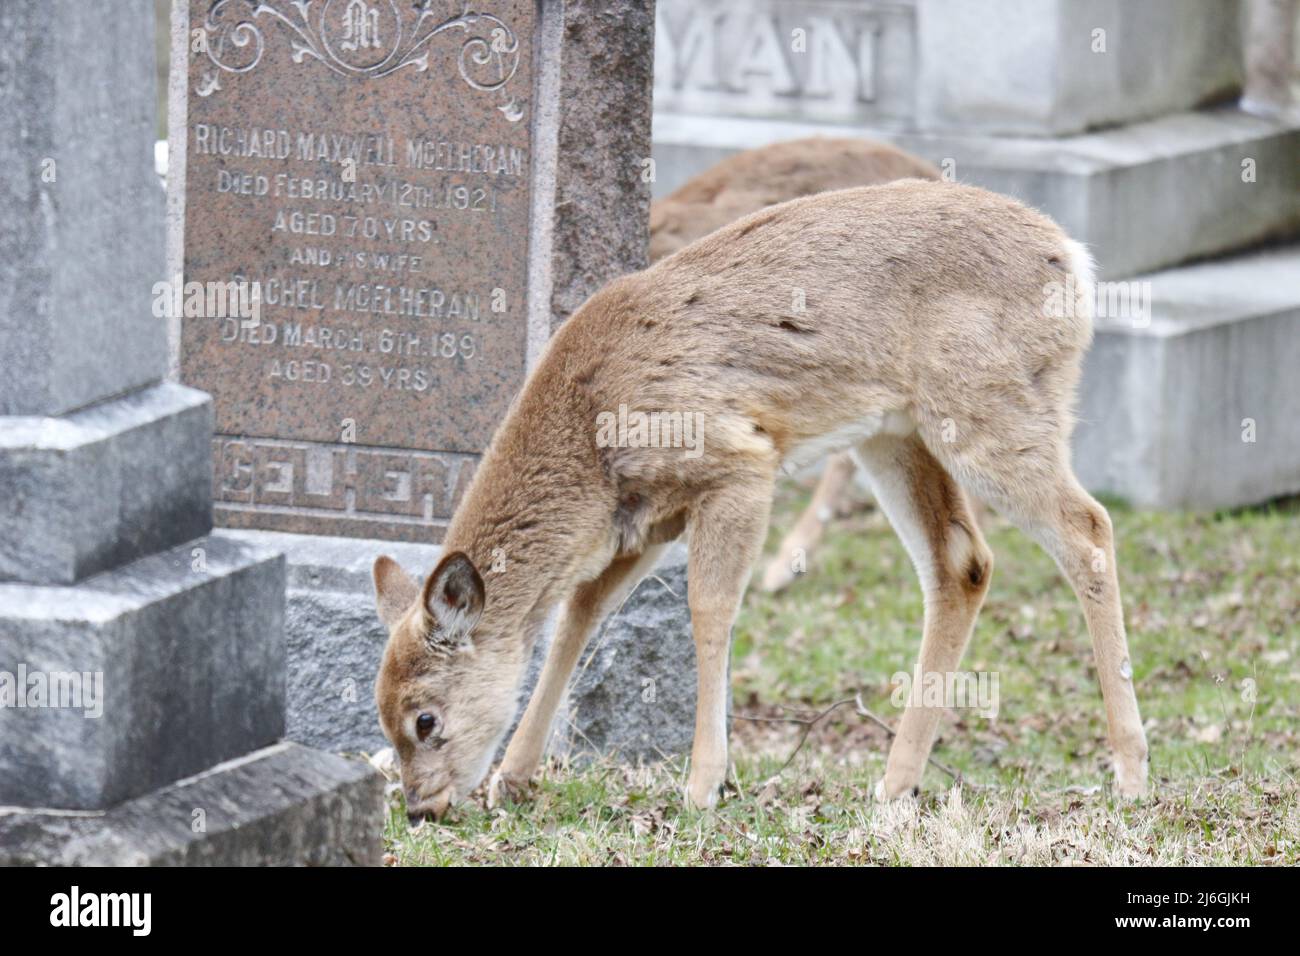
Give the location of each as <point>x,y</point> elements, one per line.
<point>153,671</point>
<point>280,806</point>
<point>1142,196</point>
<point>334,641</point>
<point>1200,408</point>
<point>105,485</point>
<point>633,695</point>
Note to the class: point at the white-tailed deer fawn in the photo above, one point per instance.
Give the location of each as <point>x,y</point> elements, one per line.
<point>908,322</point>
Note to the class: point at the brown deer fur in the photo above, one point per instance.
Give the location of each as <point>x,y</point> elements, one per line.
<point>904,321</point>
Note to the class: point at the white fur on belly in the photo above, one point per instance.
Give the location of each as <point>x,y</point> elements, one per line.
<point>892,422</point>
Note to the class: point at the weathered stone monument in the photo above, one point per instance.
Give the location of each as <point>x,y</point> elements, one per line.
<point>369,167</point>
<point>142,659</point>
<point>1120,121</point>
<point>420,192</point>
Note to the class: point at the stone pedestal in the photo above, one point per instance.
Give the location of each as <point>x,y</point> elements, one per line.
<point>282,805</point>
<point>186,649</point>
<point>1059,67</point>
<point>141,659</point>
<point>90,490</point>
<point>1200,407</point>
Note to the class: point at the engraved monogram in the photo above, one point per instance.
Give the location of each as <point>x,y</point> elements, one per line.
<point>361,38</point>
<point>360,27</point>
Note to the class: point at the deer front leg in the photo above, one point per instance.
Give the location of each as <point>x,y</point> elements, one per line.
<point>727,529</point>
<point>590,604</point>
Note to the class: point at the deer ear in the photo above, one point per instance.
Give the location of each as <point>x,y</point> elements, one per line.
<point>453,596</point>
<point>394,590</point>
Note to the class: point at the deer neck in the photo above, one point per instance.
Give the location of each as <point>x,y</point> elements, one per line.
<point>538,510</point>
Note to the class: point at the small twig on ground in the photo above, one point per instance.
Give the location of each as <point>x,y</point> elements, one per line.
<point>856,700</point>
<point>806,722</point>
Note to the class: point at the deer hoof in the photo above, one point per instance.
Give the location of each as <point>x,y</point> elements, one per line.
<point>504,787</point>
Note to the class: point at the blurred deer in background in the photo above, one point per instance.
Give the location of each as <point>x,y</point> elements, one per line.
<point>758,178</point>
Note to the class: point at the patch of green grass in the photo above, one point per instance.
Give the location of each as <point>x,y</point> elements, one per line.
<point>1213,614</point>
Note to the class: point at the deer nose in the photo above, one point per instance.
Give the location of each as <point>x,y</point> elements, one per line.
<point>434,808</point>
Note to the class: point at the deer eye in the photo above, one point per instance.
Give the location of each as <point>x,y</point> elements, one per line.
<point>425,724</point>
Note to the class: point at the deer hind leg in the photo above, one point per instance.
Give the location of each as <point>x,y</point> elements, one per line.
<point>727,527</point>
<point>936,525</point>
<point>590,604</point>
<point>808,530</point>
<point>1076,531</point>
<point>1022,468</point>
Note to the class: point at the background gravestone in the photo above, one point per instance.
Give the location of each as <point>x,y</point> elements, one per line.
<point>142,659</point>
<point>423,192</point>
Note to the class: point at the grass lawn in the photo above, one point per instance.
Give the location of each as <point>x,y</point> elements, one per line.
<point>1213,609</point>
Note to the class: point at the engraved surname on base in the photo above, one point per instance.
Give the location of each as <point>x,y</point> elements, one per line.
<point>339,480</point>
